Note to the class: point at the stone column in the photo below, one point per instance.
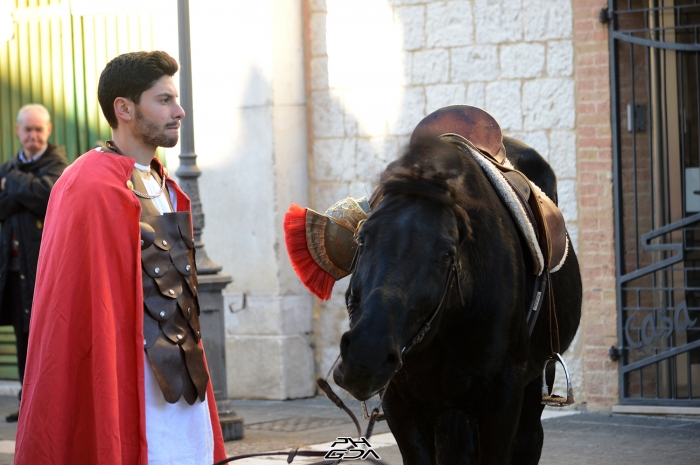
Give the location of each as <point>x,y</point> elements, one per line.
<point>270,339</point>
<point>256,165</point>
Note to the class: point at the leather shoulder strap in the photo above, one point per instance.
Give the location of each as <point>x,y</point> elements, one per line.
<point>147,206</point>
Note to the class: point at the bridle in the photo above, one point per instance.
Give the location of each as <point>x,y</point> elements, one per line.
<point>452,279</point>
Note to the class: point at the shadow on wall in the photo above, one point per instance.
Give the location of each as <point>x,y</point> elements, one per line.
<point>236,155</point>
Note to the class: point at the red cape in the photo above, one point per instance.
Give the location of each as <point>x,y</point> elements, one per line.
<point>83,393</point>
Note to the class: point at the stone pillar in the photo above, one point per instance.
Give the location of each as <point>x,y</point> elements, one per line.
<point>270,338</point>
<point>256,165</point>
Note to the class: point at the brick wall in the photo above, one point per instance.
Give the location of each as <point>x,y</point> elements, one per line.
<point>596,233</point>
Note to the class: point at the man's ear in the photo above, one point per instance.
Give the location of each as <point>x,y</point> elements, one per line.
<point>123,108</point>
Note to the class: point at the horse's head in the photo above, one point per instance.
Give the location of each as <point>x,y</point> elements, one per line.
<point>409,252</point>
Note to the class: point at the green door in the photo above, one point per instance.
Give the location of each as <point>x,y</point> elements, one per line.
<point>55,58</point>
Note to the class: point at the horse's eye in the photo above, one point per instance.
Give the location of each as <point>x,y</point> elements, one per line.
<point>447,256</point>
<point>360,241</point>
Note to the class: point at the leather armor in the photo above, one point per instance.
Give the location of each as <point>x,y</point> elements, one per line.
<point>171,328</point>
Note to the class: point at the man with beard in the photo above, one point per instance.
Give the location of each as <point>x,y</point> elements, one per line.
<point>25,184</point>
<point>116,372</point>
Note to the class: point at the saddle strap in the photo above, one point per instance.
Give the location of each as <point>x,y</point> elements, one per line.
<point>534,206</point>
<point>547,219</point>
<point>538,296</point>
<point>553,324</point>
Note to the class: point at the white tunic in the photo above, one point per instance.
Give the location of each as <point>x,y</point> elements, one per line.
<point>176,433</point>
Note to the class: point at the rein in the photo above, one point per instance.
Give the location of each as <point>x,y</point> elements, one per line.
<point>291,455</point>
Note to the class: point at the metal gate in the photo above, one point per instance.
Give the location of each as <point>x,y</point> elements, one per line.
<point>655,96</point>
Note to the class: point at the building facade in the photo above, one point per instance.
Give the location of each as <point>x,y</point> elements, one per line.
<point>306,101</point>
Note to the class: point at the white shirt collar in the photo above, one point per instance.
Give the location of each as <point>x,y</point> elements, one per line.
<point>24,159</point>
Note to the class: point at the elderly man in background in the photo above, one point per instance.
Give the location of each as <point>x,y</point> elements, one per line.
<point>25,184</point>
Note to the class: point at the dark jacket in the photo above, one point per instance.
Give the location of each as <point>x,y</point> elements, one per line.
<point>22,210</point>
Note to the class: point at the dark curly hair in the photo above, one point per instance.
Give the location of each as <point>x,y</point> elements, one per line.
<point>129,75</point>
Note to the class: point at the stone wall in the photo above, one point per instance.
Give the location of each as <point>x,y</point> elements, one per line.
<point>250,135</point>
<point>377,67</point>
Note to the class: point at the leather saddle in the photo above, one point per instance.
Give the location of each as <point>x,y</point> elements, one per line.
<point>483,132</point>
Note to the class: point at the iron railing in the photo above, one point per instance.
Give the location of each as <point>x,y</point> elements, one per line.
<point>655,97</point>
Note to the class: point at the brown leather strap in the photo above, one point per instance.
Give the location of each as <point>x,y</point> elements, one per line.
<point>549,221</point>
<point>523,191</point>
<point>148,207</point>
<point>553,324</point>
<point>154,173</point>
<point>543,234</point>
<point>556,231</point>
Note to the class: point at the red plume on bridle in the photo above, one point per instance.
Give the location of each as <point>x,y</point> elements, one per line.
<point>315,278</point>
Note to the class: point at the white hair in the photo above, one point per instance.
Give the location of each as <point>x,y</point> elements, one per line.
<point>33,106</point>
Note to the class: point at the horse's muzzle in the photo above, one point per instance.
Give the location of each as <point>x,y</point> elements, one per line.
<point>365,367</point>
<point>359,391</point>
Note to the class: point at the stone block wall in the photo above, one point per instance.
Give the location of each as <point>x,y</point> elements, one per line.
<point>375,68</point>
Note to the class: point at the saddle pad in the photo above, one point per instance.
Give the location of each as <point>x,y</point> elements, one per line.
<point>511,201</point>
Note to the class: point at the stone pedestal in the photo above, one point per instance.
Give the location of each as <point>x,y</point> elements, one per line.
<point>269,349</point>
<point>211,304</point>
<point>231,423</point>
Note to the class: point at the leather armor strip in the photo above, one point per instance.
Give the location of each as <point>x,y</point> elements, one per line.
<point>171,307</point>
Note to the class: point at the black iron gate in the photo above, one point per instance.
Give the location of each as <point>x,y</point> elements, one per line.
<point>655,68</point>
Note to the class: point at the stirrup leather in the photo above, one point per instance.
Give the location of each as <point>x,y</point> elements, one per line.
<point>554,400</point>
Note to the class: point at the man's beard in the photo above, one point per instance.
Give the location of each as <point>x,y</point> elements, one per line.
<point>152,134</point>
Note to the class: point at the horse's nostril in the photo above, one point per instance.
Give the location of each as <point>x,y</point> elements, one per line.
<point>344,344</point>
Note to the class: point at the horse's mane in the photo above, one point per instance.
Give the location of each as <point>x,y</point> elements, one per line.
<point>432,169</point>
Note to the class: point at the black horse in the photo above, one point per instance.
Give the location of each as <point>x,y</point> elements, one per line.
<point>470,391</point>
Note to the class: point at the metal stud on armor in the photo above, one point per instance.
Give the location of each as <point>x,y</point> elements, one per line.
<point>171,308</point>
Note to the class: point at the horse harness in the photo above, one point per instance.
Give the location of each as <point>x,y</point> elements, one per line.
<point>550,230</point>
